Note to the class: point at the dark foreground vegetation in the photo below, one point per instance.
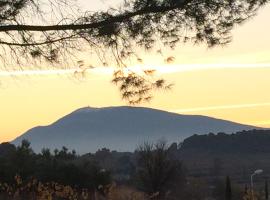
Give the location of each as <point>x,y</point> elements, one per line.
<point>202,167</point>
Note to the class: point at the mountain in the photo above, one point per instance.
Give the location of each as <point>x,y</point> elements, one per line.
<point>122,129</point>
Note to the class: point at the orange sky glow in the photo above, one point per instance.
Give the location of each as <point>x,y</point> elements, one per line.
<point>225,82</point>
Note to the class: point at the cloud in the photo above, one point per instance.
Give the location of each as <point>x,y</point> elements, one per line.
<point>222,107</point>
<point>166,69</point>
<point>36,72</point>
<point>97,70</point>
<point>192,67</point>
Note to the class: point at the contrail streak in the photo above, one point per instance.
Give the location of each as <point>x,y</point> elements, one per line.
<point>192,67</point>
<point>166,69</point>
<point>223,107</point>
<point>36,72</point>
<point>99,70</point>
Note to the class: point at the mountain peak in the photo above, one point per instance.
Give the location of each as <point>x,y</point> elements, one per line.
<point>86,109</point>
<point>89,109</point>
<point>122,128</point>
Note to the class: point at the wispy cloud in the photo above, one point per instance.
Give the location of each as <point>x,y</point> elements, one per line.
<point>222,107</point>
<point>100,70</point>
<point>165,69</point>
<point>36,72</point>
<point>191,67</point>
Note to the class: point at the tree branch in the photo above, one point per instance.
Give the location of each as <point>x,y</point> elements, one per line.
<point>36,43</point>
<point>73,27</point>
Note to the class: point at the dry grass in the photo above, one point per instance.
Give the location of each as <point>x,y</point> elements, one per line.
<point>35,190</point>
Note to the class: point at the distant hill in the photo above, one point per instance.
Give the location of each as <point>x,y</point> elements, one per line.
<point>245,142</point>
<point>122,129</point>
<point>223,154</point>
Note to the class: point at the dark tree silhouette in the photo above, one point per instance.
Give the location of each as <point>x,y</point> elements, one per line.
<point>65,167</point>
<point>158,172</point>
<point>27,31</point>
<point>266,192</point>
<point>246,190</point>
<point>228,194</point>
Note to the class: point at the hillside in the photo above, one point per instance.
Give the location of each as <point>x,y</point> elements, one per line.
<point>121,129</point>
<point>223,154</point>
<point>252,141</point>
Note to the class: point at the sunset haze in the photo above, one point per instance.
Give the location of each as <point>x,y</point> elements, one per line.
<point>230,83</point>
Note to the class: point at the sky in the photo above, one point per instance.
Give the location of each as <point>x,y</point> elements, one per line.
<point>229,82</point>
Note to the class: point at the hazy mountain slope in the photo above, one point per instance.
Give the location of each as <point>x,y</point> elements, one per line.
<point>121,128</point>
<point>236,154</point>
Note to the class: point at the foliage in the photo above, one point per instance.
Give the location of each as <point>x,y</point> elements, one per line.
<point>125,193</point>
<point>266,190</point>
<point>153,172</point>
<point>248,196</point>
<point>139,21</point>
<point>61,167</point>
<point>252,141</point>
<point>228,193</point>
<point>36,190</point>
<point>158,172</point>
<point>29,32</point>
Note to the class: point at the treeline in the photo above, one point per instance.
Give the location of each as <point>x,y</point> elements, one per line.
<point>253,141</point>
<point>156,170</point>
<point>61,166</point>
<point>239,154</point>
<point>153,171</point>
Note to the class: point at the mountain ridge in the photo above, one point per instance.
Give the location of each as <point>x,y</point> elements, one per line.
<point>122,128</point>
